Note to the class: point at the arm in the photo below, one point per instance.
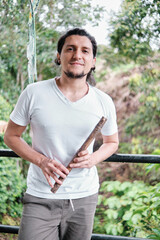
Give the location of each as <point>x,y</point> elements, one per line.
<point>50,167</point>
<point>86,160</point>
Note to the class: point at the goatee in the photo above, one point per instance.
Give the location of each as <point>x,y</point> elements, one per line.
<point>74,76</point>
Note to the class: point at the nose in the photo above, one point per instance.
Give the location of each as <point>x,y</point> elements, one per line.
<point>77,54</point>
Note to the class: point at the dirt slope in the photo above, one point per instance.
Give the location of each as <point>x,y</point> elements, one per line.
<point>116,85</point>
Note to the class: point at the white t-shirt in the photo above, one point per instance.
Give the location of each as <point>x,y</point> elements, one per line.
<point>59,128</point>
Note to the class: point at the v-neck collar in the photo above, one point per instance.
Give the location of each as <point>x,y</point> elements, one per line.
<point>66,100</point>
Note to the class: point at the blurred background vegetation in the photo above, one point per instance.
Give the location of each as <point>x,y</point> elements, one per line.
<point>128,69</point>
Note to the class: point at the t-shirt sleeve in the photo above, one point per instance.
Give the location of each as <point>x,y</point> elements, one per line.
<point>110,127</point>
<point>20,114</point>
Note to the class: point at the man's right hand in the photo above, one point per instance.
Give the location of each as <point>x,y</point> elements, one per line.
<point>50,168</point>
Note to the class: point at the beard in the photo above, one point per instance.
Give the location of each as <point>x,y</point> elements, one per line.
<point>75,76</point>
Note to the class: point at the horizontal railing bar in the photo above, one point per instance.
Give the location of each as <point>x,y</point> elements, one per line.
<point>134,158</point>
<point>127,158</point>
<point>9,229</point>
<point>7,153</point>
<point>110,237</point>
<point>15,229</point>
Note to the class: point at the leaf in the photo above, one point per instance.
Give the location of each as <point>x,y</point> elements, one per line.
<point>153,236</point>
<point>135,218</point>
<point>100,198</point>
<point>127,215</point>
<point>157,231</point>
<point>140,210</point>
<point>112,214</point>
<point>120,228</point>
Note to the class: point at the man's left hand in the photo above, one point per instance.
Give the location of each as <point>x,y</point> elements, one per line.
<point>83,160</point>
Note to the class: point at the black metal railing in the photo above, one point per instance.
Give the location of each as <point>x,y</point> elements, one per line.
<point>127,158</point>
<point>15,229</point>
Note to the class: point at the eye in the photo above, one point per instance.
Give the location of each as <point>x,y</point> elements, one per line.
<point>86,51</point>
<point>70,49</point>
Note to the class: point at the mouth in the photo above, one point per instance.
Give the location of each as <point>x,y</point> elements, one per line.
<point>76,64</point>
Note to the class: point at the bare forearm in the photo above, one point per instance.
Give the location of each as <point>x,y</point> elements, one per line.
<point>104,152</point>
<point>22,149</point>
<point>86,160</point>
<point>50,167</point>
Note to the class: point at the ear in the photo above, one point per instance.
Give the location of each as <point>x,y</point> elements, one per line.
<point>94,62</point>
<point>58,58</point>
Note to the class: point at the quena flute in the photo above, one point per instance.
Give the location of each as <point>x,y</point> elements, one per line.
<point>84,146</point>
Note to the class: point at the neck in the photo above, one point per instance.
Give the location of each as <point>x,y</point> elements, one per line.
<point>73,89</point>
<point>72,83</point>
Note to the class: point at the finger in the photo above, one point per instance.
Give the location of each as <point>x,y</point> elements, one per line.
<point>54,177</point>
<point>60,167</point>
<point>64,169</point>
<point>48,179</point>
<point>59,181</point>
<point>82,153</point>
<point>56,168</point>
<point>81,159</point>
<point>84,164</point>
<point>59,172</point>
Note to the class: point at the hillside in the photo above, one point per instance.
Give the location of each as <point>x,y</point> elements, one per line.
<point>116,84</point>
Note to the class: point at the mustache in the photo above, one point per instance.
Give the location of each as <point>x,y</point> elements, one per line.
<point>76,62</point>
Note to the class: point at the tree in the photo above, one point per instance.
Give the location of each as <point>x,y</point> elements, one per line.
<point>135,29</point>
<point>52,18</point>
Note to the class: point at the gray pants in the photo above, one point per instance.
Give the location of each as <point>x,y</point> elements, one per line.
<point>48,219</point>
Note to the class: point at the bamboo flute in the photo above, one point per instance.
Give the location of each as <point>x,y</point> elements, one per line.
<point>84,146</point>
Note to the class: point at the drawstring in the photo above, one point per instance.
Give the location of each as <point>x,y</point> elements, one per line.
<point>72,204</point>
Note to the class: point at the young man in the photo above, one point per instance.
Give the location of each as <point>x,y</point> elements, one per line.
<point>62,113</point>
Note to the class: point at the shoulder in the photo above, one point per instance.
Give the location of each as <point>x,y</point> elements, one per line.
<point>38,88</point>
<point>101,95</point>
<point>39,85</point>
<point>104,100</point>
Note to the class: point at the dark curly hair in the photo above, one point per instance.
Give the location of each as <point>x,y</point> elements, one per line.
<point>81,32</point>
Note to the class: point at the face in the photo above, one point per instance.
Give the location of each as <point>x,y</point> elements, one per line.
<point>77,56</point>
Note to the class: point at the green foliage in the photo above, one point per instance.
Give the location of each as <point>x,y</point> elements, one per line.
<point>147,118</point>
<point>156,234</point>
<point>123,68</point>
<point>100,74</point>
<point>52,18</point>
<point>128,209</point>
<point>135,29</point>
<point>111,57</point>
<point>67,14</point>
<point>141,127</point>
<point>5,109</point>
<point>12,185</point>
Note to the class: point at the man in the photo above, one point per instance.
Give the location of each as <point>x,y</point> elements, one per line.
<point>62,113</point>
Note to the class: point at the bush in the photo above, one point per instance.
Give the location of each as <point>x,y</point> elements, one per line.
<point>128,209</point>
<point>146,120</point>
<point>12,185</point>
<point>5,109</point>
